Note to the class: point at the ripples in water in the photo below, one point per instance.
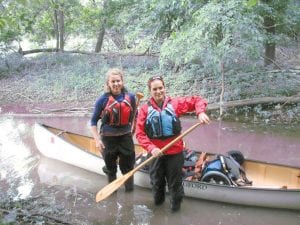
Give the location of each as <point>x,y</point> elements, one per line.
<point>17,161</point>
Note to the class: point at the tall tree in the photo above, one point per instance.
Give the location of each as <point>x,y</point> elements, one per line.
<point>102,26</point>
<point>61,29</point>
<point>274,13</point>
<point>100,37</point>
<point>269,24</point>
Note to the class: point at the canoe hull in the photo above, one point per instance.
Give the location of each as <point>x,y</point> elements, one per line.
<point>272,198</point>
<point>55,147</point>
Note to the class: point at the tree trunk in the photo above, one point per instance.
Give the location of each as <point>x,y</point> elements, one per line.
<point>222,88</point>
<point>61,30</point>
<point>56,30</point>
<point>269,24</point>
<point>102,28</point>
<point>118,38</point>
<point>100,38</point>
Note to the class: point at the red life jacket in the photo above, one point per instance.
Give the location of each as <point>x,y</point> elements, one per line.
<point>117,113</point>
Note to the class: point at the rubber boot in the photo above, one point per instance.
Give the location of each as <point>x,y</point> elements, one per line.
<point>159,195</point>
<point>159,200</point>
<point>105,170</point>
<point>129,185</point>
<point>111,178</point>
<point>175,205</point>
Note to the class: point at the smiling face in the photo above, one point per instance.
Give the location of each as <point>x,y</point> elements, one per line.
<point>157,91</point>
<point>115,84</point>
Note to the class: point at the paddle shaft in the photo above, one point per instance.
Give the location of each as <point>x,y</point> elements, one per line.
<point>111,187</point>
<point>165,148</point>
<point>139,96</point>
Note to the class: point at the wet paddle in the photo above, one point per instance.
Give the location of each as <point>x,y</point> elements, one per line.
<point>113,186</point>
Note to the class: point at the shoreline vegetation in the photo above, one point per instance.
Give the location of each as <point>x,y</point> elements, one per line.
<point>64,83</point>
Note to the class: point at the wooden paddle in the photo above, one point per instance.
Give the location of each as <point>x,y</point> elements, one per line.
<point>139,96</point>
<point>113,186</point>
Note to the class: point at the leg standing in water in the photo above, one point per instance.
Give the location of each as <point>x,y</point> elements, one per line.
<point>157,125</point>
<point>115,109</point>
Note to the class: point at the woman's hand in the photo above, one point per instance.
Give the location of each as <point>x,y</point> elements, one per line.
<point>99,145</point>
<point>156,152</point>
<point>203,118</point>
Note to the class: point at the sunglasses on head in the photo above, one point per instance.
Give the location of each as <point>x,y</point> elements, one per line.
<point>155,78</point>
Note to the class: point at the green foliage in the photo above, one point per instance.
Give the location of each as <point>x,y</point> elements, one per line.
<point>44,29</point>
<point>291,20</point>
<point>197,35</point>
<point>148,24</point>
<point>251,3</point>
<point>286,16</point>
<point>17,19</point>
<point>34,18</point>
<point>90,20</point>
<point>2,23</point>
<point>218,32</point>
<point>169,16</point>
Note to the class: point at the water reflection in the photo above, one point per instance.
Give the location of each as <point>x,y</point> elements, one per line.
<point>117,209</point>
<point>142,214</point>
<point>53,172</point>
<point>17,160</point>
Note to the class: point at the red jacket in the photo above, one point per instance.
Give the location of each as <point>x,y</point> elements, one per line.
<point>181,105</point>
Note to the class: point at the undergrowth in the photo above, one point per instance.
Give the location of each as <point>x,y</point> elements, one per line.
<point>80,78</point>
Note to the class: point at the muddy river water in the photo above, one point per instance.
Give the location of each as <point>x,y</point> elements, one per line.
<point>66,193</point>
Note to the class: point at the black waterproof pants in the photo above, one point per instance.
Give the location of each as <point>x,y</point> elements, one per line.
<point>167,170</point>
<point>122,148</point>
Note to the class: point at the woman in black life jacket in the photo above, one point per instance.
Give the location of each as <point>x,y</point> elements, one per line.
<point>115,108</point>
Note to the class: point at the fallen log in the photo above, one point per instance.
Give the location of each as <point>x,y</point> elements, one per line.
<point>256,101</point>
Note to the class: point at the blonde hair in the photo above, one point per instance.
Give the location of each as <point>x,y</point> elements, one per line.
<point>110,72</point>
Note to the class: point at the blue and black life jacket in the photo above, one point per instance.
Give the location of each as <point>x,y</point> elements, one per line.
<point>162,124</point>
<point>229,165</point>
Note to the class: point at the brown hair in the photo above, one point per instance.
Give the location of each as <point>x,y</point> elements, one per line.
<point>157,77</point>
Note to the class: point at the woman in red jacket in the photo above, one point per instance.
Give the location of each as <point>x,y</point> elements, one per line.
<point>158,124</point>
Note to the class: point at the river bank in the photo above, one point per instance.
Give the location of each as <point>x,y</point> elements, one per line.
<point>64,84</point>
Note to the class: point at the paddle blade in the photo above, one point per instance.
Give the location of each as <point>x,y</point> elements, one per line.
<point>112,187</point>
